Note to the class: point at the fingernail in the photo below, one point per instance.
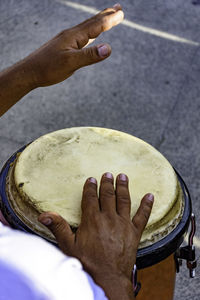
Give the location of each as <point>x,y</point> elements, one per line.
<point>150,197</point>
<point>116,5</point>
<point>103,50</point>
<point>123,177</point>
<point>108,175</point>
<point>46,221</point>
<point>93,180</point>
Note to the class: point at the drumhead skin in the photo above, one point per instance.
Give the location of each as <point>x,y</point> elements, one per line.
<point>146,255</point>
<point>50,173</point>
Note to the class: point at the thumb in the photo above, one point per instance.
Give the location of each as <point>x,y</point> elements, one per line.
<point>91,55</point>
<point>60,229</point>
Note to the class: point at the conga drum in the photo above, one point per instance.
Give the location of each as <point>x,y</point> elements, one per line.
<point>49,173</point>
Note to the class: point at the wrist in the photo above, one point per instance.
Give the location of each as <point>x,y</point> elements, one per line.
<point>26,70</point>
<point>19,76</point>
<point>15,82</point>
<point>116,287</point>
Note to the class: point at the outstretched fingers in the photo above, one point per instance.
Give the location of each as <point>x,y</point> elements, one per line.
<point>103,21</point>
<point>86,32</point>
<point>143,213</point>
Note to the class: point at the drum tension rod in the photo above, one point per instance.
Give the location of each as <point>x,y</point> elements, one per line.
<point>188,252</point>
<point>136,284</point>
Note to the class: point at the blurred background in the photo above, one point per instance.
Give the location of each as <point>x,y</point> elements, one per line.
<point>149,86</point>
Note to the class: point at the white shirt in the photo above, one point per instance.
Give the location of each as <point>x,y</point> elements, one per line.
<point>51,272</point>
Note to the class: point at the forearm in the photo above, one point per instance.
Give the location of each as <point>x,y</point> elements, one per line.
<point>15,83</point>
<point>116,288</point>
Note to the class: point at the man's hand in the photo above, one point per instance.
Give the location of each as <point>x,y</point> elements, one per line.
<point>59,58</point>
<point>107,239</point>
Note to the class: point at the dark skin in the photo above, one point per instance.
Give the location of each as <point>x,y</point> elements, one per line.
<point>58,58</point>
<point>107,239</point>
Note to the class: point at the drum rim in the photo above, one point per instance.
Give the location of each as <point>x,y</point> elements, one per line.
<point>5,206</point>
<point>160,250</point>
<point>146,256</point>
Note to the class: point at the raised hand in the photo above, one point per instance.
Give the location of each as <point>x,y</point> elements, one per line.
<point>59,58</point>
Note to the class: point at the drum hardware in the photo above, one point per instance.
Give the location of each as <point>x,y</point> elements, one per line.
<point>188,252</point>
<point>136,284</point>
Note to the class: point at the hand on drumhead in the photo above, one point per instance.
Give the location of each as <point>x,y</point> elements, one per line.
<point>60,57</point>
<point>107,239</point>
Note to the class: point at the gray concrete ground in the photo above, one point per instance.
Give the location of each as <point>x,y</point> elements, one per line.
<point>149,87</point>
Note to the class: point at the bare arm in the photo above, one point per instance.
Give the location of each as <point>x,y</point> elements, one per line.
<point>58,59</point>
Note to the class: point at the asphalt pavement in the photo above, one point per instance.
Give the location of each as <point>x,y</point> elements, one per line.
<point>148,87</point>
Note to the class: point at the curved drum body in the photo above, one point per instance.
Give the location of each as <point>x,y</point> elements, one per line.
<point>159,251</point>
<point>158,281</point>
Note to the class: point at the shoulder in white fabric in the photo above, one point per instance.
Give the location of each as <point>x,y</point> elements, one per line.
<point>53,273</point>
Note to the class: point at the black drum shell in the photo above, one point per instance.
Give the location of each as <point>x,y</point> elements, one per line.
<point>146,257</point>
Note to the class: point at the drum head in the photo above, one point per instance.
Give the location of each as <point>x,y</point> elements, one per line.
<point>147,256</point>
